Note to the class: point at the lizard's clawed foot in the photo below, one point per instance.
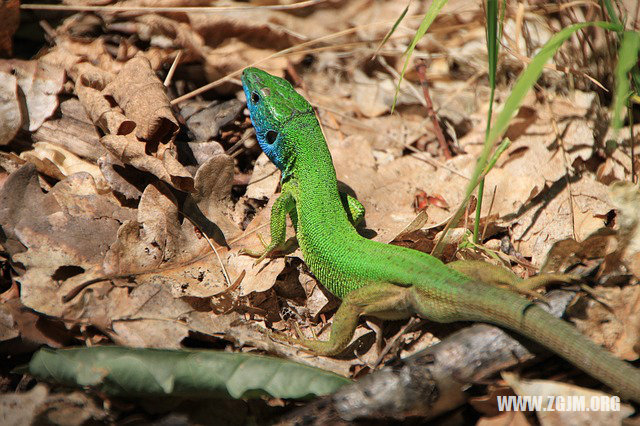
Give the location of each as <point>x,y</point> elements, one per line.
<point>316,347</point>
<point>267,250</point>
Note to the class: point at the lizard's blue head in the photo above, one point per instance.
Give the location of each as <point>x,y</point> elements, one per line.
<point>273,103</point>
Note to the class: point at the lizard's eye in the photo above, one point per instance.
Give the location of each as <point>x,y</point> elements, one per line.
<point>255,97</point>
<point>271,136</point>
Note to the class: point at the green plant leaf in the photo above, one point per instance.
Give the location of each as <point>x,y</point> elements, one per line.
<point>392,30</point>
<point>627,59</point>
<point>525,82</point>
<point>428,19</point>
<point>121,371</point>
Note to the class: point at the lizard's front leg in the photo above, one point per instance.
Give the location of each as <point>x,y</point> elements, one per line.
<point>284,205</point>
<point>381,300</point>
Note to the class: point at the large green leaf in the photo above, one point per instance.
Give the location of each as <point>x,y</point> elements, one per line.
<point>133,372</point>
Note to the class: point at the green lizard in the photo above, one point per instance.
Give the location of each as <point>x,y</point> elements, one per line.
<point>381,280</point>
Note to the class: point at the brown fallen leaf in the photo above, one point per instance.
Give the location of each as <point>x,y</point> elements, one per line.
<point>74,131</point>
<point>40,83</point>
<point>141,106</point>
<point>141,95</point>
<point>610,316</point>
<point>10,115</point>
<point>58,235</point>
<point>59,163</point>
<point>129,150</point>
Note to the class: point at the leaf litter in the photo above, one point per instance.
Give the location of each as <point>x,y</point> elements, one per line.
<point>103,180</point>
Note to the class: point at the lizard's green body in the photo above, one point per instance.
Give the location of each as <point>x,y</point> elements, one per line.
<point>381,280</point>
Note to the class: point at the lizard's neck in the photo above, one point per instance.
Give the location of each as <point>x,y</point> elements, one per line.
<point>313,170</point>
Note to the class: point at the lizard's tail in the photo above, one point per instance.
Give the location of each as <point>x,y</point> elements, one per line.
<point>491,304</point>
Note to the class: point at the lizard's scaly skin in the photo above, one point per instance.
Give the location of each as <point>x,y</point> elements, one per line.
<point>385,280</point>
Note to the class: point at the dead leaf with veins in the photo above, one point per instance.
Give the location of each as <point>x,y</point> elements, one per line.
<point>141,127</point>
<point>65,232</point>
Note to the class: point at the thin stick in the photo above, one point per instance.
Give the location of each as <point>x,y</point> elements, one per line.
<point>421,67</point>
<point>172,70</point>
<point>203,9</point>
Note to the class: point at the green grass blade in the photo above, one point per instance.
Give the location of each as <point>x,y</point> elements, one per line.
<point>627,59</point>
<point>525,82</point>
<point>611,12</point>
<point>492,54</point>
<point>492,40</point>
<point>428,19</point>
<point>392,30</point>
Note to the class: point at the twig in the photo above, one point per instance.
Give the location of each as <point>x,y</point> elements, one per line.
<point>172,70</point>
<point>421,67</point>
<point>202,9</point>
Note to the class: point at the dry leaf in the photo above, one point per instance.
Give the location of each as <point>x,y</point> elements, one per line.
<point>40,83</point>
<point>10,115</point>
<point>142,97</point>
<point>59,163</point>
<point>74,131</point>
<point>611,317</point>
<point>67,231</point>
<point>264,179</point>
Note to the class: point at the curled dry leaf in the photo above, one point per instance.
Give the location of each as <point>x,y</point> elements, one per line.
<point>59,163</point>
<point>138,92</point>
<point>142,97</point>
<point>89,88</point>
<point>74,131</point>
<point>130,150</point>
<point>40,82</point>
